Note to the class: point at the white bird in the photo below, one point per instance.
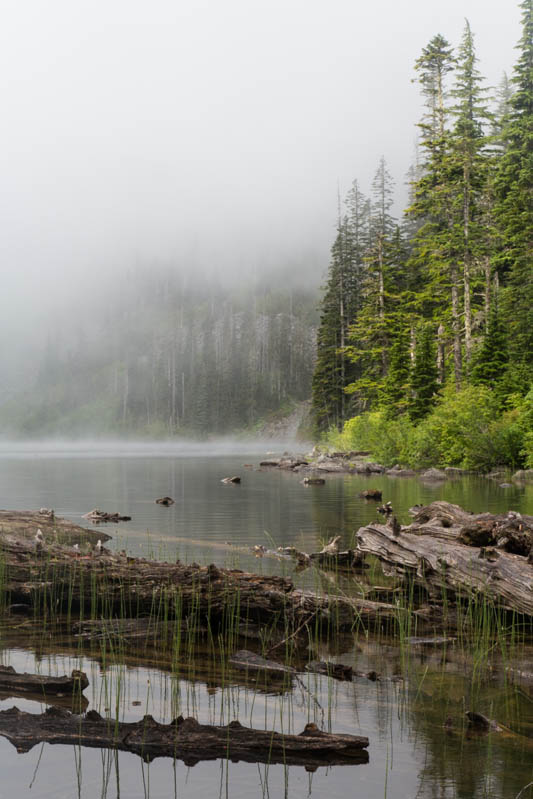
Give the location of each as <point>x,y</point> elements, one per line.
<point>39,540</point>
<point>76,547</point>
<point>99,548</point>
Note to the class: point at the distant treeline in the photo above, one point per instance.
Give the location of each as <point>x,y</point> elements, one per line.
<point>424,317</point>
<point>162,356</point>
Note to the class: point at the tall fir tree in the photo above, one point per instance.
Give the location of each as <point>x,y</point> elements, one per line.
<point>468,175</point>
<point>514,208</point>
<point>424,376</point>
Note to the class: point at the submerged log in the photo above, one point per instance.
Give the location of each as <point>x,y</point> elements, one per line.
<point>249,661</point>
<point>96,516</point>
<point>182,739</point>
<point>336,670</point>
<point>431,551</point>
<point>10,680</point>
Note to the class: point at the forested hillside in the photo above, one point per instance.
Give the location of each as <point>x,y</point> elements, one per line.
<point>164,355</point>
<point>425,346</point>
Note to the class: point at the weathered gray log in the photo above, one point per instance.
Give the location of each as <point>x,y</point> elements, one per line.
<point>10,680</point>
<point>429,550</point>
<point>182,739</point>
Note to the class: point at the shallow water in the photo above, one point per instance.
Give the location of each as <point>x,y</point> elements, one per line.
<point>411,754</point>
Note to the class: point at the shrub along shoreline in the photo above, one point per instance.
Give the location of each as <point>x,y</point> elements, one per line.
<point>466,429</point>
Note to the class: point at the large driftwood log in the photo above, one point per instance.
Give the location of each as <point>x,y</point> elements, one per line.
<point>431,551</point>
<point>56,579</point>
<point>183,739</point>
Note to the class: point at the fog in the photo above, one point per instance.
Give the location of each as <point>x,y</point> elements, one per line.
<point>212,137</point>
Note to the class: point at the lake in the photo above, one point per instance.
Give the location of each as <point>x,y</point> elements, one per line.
<point>412,754</point>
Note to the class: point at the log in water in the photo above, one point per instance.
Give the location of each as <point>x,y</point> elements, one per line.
<point>183,739</point>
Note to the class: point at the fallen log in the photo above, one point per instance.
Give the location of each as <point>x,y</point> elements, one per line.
<point>97,516</point>
<point>338,671</point>
<point>431,552</point>
<point>249,661</point>
<point>10,680</point>
<point>182,739</point>
<point>112,585</point>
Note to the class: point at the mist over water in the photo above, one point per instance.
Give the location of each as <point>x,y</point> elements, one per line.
<point>120,448</point>
<point>209,141</point>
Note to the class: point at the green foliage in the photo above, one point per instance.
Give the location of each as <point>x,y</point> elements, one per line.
<point>423,382</point>
<point>389,440</point>
<point>491,359</point>
<point>466,430</point>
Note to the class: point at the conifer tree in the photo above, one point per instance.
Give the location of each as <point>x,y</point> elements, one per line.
<point>334,371</point>
<point>372,333</point>
<point>491,359</point>
<point>514,207</point>
<point>394,394</point>
<point>423,384</point>
<point>435,250</point>
<point>468,174</point>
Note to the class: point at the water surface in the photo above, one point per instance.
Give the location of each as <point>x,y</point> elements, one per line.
<point>411,752</point>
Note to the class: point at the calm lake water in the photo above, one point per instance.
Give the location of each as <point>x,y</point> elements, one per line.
<point>411,754</point>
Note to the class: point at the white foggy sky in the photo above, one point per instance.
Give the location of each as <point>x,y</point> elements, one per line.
<point>205,132</point>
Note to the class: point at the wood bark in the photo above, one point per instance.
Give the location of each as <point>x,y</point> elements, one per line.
<point>430,552</point>
<point>58,579</point>
<point>182,739</point>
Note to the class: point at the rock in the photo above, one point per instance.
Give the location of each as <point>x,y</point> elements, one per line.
<point>454,471</point>
<point>401,472</point>
<point>371,493</point>
<point>433,474</point>
<point>272,462</point>
<point>228,480</point>
<point>330,465</point>
<point>506,485</point>
<point>525,475</point>
<point>369,468</point>
<point>165,501</point>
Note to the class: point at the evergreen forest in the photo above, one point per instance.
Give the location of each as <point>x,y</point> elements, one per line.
<point>162,355</point>
<point>425,343</point>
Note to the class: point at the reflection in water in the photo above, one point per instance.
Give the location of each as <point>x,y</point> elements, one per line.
<point>412,753</point>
